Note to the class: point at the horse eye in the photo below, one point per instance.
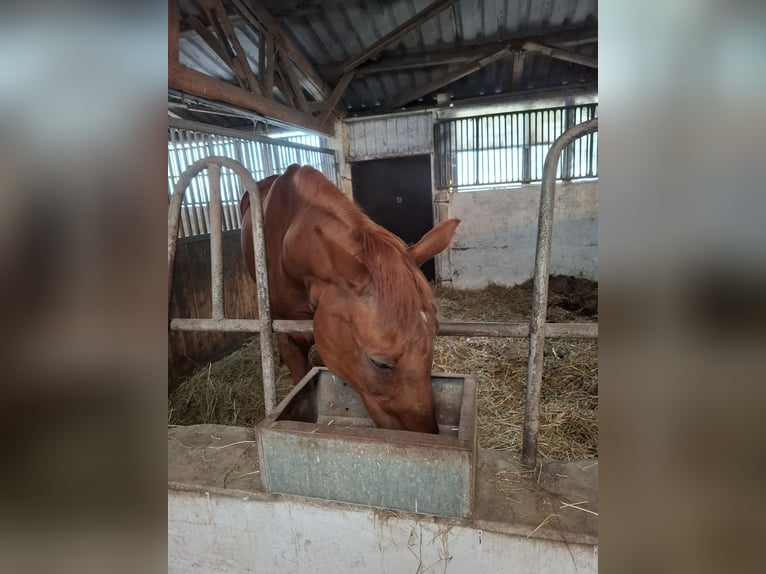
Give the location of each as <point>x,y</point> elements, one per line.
<point>381,364</point>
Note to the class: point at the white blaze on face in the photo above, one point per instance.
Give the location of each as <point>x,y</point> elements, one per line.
<point>425,319</point>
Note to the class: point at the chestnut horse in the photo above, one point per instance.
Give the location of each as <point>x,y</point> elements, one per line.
<point>373,310</point>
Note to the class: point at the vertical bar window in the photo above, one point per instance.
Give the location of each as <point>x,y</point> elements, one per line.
<point>261,158</point>
<point>510,148</point>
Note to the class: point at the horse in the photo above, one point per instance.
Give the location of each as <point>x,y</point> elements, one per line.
<point>374,313</point>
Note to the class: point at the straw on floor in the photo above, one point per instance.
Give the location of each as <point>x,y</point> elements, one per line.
<point>230,392</point>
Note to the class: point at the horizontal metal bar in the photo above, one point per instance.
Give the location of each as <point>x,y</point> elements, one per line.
<point>537,324</point>
<point>511,330</point>
<point>239,325</point>
<point>519,330</point>
<point>228,132</point>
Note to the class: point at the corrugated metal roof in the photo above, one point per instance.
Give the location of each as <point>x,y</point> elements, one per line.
<point>330,32</point>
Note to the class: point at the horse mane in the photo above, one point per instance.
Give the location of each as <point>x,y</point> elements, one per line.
<point>400,288</point>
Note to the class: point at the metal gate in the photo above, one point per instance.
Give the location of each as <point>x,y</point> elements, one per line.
<point>536,330</point>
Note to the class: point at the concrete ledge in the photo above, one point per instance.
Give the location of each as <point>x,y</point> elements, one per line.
<point>220,519</point>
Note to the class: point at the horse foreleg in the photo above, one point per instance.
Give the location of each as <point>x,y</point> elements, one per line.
<point>295,354</point>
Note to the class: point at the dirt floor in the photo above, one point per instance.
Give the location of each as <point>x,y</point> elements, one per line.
<point>229,391</point>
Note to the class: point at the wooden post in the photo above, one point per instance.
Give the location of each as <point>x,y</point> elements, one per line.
<point>174,27</point>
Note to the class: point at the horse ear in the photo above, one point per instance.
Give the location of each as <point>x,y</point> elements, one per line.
<point>433,242</point>
<point>344,266</point>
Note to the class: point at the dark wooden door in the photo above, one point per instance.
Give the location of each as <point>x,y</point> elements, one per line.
<point>396,194</point>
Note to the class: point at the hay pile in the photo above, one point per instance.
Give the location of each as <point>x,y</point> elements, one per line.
<point>230,391</point>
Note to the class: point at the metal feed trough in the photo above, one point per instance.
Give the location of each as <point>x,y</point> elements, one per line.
<point>320,442</point>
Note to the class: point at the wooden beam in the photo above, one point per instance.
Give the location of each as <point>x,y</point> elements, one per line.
<point>210,29</point>
<point>449,77</point>
<point>303,7</point>
<point>216,45</point>
<point>442,57</point>
<point>462,53</point>
<point>334,98</point>
<point>377,47</point>
<point>268,80</point>
<point>279,81</point>
<point>262,63</point>
<point>174,27</point>
<point>292,79</point>
<point>317,106</point>
<point>503,99</point>
<point>186,79</point>
<point>519,59</point>
<point>257,16</point>
<point>240,55</point>
<point>560,54</point>
<point>577,37</point>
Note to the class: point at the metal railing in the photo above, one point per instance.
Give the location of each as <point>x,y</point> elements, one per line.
<point>537,325</point>
<point>510,148</point>
<point>262,156</point>
<point>213,165</point>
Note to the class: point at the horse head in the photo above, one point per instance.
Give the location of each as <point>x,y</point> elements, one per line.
<point>375,318</point>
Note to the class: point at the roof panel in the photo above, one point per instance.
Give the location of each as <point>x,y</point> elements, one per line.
<point>332,31</point>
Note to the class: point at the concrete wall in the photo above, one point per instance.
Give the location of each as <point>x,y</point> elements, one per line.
<point>209,531</point>
<point>401,134</point>
<point>496,239</point>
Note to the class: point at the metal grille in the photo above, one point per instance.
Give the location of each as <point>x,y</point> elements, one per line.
<point>263,156</point>
<point>510,148</point>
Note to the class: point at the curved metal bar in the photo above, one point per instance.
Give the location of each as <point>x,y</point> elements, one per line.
<point>262,281</point>
<point>540,289</point>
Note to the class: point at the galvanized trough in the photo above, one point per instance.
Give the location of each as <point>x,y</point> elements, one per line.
<point>320,442</point>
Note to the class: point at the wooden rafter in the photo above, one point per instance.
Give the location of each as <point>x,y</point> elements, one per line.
<point>215,44</point>
<point>334,98</point>
<point>185,79</point>
<point>257,16</point>
<point>377,47</point>
<point>303,7</point>
<point>519,59</point>
<point>174,26</point>
<point>450,77</point>
<point>281,64</point>
<point>276,65</point>
<point>267,47</point>
<point>281,84</point>
<point>286,67</point>
<point>208,25</point>
<point>462,53</point>
<point>262,41</point>
<point>560,54</point>
<point>430,58</point>
<point>238,53</point>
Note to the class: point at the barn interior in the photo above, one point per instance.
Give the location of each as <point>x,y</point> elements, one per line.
<point>420,111</point>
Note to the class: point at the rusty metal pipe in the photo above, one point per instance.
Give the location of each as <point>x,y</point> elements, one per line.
<point>519,330</point>
<point>540,289</point>
<point>216,241</point>
<point>264,306</point>
<point>511,330</point>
